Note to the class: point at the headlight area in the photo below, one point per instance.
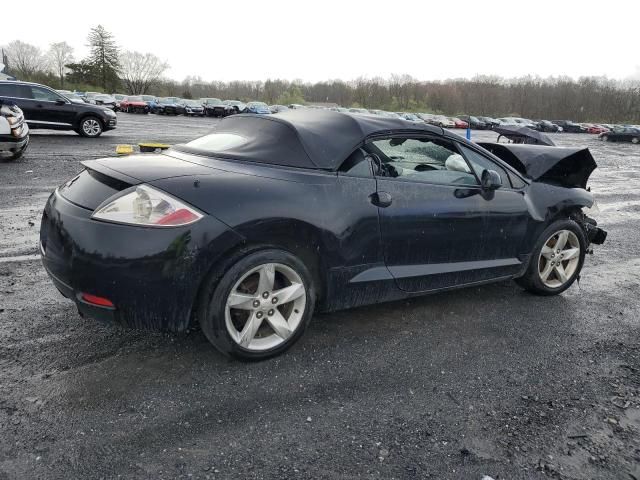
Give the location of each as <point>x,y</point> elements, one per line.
<point>595,234</point>
<point>146,206</point>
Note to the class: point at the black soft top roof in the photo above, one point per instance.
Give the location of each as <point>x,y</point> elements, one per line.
<point>320,139</point>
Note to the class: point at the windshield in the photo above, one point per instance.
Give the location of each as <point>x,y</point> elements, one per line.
<point>148,98</point>
<point>192,103</point>
<point>166,100</point>
<point>258,105</point>
<point>135,99</point>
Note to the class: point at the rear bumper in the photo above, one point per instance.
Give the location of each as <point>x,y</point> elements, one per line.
<point>152,276</point>
<point>101,314</point>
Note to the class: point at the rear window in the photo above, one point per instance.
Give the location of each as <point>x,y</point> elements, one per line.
<point>218,142</point>
<point>11,90</point>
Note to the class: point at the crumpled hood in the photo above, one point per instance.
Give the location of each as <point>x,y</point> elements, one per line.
<point>566,166</point>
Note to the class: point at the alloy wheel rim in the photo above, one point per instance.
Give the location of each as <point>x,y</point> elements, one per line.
<point>265,307</point>
<point>559,259</point>
<point>91,127</point>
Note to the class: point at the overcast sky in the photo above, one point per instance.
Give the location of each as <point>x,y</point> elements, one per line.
<point>329,39</point>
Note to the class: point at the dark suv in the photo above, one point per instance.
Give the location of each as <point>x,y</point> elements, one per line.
<point>46,108</point>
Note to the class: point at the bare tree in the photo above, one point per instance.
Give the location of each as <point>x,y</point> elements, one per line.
<point>60,55</point>
<point>25,59</point>
<point>141,70</point>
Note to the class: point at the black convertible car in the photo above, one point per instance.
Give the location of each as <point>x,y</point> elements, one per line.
<point>253,227</point>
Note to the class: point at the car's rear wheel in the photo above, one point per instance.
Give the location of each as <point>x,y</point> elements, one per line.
<point>605,138</point>
<point>556,260</point>
<point>635,140</point>
<point>90,127</point>
<point>259,307</point>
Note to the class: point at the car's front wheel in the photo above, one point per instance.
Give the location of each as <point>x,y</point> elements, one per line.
<point>90,127</point>
<point>605,138</point>
<point>259,307</point>
<point>556,260</point>
<point>635,140</point>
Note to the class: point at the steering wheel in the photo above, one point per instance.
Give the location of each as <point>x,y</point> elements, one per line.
<point>423,167</point>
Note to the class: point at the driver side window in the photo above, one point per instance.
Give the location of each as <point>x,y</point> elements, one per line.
<point>428,160</point>
<point>38,93</point>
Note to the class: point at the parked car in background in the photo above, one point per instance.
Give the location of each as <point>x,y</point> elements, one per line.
<point>621,134</point>
<point>278,108</point>
<point>526,122</point>
<point>192,108</point>
<point>569,127</point>
<point>474,122</point>
<point>458,123</point>
<point>134,104</point>
<point>490,122</point>
<point>43,107</point>
<point>441,121</point>
<point>547,126</point>
<point>106,101</point>
<point>151,101</point>
<point>410,117</point>
<point>597,129</point>
<point>71,96</point>
<point>89,96</point>
<point>425,117</point>
<point>517,122</point>
<point>168,106</point>
<point>383,113</point>
<point>296,106</point>
<point>508,121</point>
<point>14,132</point>
<point>236,106</point>
<point>119,97</point>
<point>258,108</point>
<point>214,107</point>
<point>361,111</point>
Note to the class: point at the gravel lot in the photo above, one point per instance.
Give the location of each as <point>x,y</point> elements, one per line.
<point>483,381</point>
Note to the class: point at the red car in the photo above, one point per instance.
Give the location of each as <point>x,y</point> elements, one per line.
<point>459,123</point>
<point>134,105</point>
<point>597,129</point>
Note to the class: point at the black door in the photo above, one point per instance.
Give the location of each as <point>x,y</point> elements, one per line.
<point>439,228</point>
<point>48,108</point>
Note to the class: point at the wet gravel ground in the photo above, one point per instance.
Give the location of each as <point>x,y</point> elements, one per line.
<point>484,381</point>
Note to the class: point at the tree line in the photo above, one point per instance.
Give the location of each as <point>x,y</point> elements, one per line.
<point>110,69</point>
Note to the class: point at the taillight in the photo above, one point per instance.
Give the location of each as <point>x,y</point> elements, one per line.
<point>98,301</point>
<point>147,206</point>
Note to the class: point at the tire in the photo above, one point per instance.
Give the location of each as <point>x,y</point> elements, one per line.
<point>572,258</point>
<point>635,140</point>
<point>605,138</point>
<point>90,127</point>
<point>229,329</point>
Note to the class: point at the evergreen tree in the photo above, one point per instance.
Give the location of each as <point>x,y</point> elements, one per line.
<point>104,57</point>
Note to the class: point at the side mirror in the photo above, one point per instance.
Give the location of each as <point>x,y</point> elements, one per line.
<point>60,102</point>
<point>490,180</point>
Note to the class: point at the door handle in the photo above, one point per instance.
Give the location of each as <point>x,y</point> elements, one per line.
<point>381,199</point>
